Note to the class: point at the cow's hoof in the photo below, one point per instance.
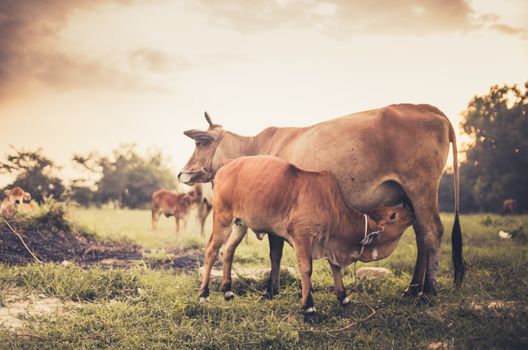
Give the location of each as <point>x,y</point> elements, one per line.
<point>357,289</point>
<point>430,289</point>
<point>229,295</point>
<point>204,299</point>
<point>310,316</point>
<point>423,300</point>
<point>345,302</point>
<point>268,295</point>
<point>411,291</point>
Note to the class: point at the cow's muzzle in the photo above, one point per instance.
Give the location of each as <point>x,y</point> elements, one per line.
<point>192,177</point>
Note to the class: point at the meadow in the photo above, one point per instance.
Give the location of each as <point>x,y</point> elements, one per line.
<point>137,307</point>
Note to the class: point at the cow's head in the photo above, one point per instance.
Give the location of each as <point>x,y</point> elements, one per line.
<point>203,163</point>
<point>13,199</point>
<point>392,220</point>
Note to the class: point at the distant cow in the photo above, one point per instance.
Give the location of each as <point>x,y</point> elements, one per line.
<point>202,196</point>
<point>170,203</point>
<point>306,208</point>
<point>15,200</point>
<point>509,206</point>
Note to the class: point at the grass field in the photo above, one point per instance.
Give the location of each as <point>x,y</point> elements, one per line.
<point>142,308</point>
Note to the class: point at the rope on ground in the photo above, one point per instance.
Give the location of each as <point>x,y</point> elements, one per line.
<point>344,328</point>
<point>23,242</point>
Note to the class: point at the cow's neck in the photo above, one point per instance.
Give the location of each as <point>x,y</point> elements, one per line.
<point>234,146</point>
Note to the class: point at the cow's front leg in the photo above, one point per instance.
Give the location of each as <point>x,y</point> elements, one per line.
<point>177,219</point>
<point>339,287</point>
<point>213,246</point>
<point>304,259</point>
<point>276,245</point>
<point>238,232</point>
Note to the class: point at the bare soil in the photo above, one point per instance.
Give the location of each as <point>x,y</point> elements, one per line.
<point>85,250</point>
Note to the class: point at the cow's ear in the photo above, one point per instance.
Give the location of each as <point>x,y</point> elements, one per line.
<point>198,135</point>
<point>27,196</point>
<point>7,192</point>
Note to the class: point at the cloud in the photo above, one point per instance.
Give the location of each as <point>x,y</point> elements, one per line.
<point>30,55</point>
<point>156,61</point>
<point>349,17</point>
<point>406,16</point>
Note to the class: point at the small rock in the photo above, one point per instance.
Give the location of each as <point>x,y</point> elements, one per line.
<point>66,263</point>
<point>373,272</point>
<point>440,345</point>
<point>504,234</point>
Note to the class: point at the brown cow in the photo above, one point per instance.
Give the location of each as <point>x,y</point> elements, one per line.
<point>15,200</point>
<point>509,206</point>
<point>170,203</point>
<point>380,157</point>
<point>306,208</point>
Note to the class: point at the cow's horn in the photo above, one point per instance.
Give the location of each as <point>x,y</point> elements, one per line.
<point>208,118</point>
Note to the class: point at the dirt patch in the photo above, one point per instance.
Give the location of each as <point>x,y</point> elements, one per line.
<point>60,245</point>
<point>19,307</point>
<point>77,248</point>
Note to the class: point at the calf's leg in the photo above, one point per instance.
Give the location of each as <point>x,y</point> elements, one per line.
<point>304,259</point>
<point>155,217</point>
<point>339,287</point>
<point>203,212</point>
<point>237,234</point>
<point>213,246</point>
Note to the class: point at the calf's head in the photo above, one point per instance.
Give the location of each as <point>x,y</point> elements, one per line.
<point>392,221</point>
<point>13,199</point>
<point>202,165</point>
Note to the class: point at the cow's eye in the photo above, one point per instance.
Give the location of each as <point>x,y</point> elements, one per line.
<point>393,216</point>
<point>198,144</point>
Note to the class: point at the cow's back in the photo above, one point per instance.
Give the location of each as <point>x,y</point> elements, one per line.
<point>369,152</point>
<point>261,189</point>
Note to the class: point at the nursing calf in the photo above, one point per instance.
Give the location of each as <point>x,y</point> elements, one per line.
<point>306,209</point>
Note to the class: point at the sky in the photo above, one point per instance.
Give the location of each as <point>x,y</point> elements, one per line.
<point>84,75</point>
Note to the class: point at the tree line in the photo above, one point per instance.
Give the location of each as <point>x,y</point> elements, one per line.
<point>124,178</point>
<point>495,167</point>
<point>496,160</point>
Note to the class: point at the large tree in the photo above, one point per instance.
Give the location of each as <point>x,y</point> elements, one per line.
<point>497,158</point>
<point>34,172</point>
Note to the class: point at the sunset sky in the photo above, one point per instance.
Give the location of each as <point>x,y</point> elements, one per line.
<point>83,75</point>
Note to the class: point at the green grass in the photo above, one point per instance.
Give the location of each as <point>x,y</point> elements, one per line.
<point>158,309</point>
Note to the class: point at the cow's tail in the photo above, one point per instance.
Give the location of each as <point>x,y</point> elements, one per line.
<point>456,235</point>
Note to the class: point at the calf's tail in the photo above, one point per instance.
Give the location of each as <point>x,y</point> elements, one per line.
<point>456,235</point>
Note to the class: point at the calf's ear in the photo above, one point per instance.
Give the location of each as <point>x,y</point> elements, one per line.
<point>27,196</point>
<point>7,192</point>
<point>199,135</point>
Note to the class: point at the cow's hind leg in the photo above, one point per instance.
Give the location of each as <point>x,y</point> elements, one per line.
<point>276,245</point>
<point>429,230</point>
<point>339,287</point>
<point>238,231</point>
